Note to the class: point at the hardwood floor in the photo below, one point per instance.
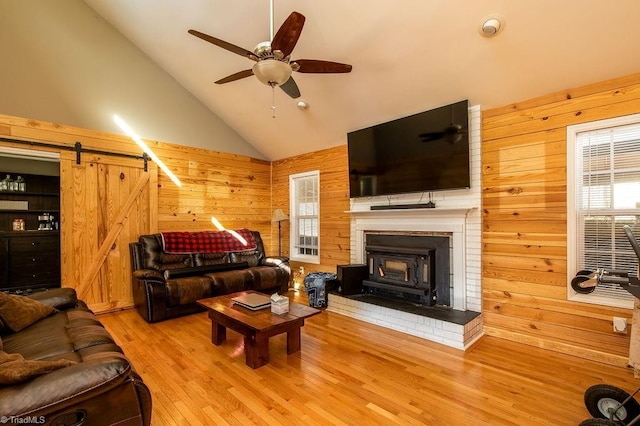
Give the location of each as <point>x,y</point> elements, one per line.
<point>350,372</point>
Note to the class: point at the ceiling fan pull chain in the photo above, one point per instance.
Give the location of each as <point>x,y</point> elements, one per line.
<point>273,100</point>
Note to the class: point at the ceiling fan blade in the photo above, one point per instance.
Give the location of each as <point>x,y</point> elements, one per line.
<point>288,34</point>
<point>236,76</point>
<point>291,88</point>
<point>225,45</point>
<point>322,67</point>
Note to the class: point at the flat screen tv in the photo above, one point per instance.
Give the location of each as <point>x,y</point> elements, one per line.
<point>424,152</point>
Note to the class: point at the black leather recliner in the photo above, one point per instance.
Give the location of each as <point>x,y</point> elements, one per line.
<point>101,388</point>
<point>168,285</point>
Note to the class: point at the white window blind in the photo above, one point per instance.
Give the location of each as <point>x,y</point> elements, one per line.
<point>305,217</point>
<point>607,198</point>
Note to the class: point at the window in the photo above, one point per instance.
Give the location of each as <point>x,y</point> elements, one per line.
<point>603,185</point>
<point>304,197</point>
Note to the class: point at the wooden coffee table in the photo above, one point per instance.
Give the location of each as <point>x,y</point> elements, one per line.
<point>255,326</point>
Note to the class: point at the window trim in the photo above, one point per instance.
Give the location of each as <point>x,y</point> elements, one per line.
<point>572,214</point>
<point>293,234</point>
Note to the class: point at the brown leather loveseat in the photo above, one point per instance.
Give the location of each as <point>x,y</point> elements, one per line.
<point>168,284</point>
<point>64,368</point>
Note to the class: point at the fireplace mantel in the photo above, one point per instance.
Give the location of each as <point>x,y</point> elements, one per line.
<point>451,220</point>
<point>445,211</point>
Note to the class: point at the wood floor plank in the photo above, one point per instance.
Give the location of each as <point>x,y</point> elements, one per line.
<point>351,373</point>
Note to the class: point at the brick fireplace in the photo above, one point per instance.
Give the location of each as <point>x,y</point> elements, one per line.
<point>406,236</point>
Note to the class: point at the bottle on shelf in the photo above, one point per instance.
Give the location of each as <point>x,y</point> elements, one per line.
<point>18,224</point>
<point>13,185</point>
<point>5,184</point>
<point>21,184</point>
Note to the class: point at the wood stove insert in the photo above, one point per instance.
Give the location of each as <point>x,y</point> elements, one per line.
<point>413,268</point>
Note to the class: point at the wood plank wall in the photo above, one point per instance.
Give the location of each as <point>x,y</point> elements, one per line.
<point>235,189</point>
<point>334,202</point>
<point>524,199</point>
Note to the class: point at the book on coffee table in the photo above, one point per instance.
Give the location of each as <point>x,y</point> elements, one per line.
<point>252,301</point>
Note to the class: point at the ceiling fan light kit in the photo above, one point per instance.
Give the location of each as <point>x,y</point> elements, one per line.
<point>272,72</point>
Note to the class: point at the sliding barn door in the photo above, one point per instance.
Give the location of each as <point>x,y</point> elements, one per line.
<point>106,203</point>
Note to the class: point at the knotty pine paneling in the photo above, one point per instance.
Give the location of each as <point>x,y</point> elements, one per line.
<point>524,200</point>
<point>235,189</point>
<point>334,202</point>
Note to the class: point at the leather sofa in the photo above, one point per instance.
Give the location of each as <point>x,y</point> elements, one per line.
<point>168,285</point>
<point>100,387</point>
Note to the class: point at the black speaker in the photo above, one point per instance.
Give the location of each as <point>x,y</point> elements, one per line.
<point>350,278</point>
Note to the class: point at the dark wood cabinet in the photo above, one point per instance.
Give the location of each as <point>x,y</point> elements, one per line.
<point>29,259</point>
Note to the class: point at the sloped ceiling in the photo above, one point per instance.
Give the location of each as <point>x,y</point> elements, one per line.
<point>407,56</point>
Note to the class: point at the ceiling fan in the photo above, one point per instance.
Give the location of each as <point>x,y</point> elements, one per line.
<point>273,64</point>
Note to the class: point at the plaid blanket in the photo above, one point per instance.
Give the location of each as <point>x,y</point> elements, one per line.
<point>208,241</point>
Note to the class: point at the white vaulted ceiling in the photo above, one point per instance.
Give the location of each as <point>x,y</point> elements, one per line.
<point>407,56</point>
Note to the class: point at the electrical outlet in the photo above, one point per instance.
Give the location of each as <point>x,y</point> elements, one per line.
<point>302,270</point>
<point>620,325</point>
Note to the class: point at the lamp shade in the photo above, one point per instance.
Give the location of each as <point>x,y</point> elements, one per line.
<point>279,216</point>
<point>272,71</point>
